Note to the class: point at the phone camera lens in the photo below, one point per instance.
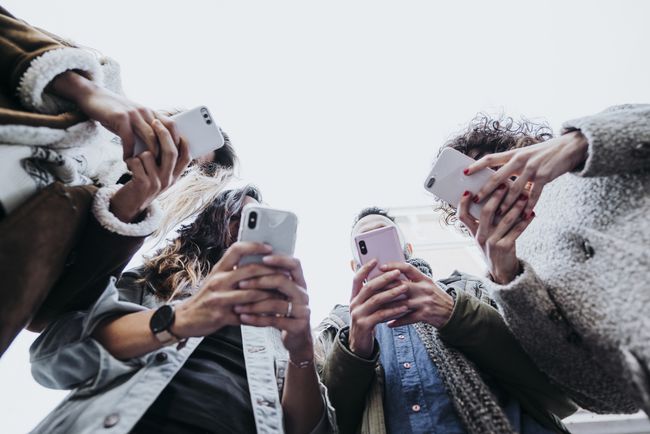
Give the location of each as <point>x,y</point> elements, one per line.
<point>208,122</point>
<point>431,182</point>
<point>252,220</point>
<point>362,247</point>
<point>205,115</point>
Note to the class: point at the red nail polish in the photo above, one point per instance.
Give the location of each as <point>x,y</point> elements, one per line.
<point>475,199</point>
<point>523,197</point>
<point>532,214</point>
<point>501,187</point>
<point>465,172</point>
<point>467,193</point>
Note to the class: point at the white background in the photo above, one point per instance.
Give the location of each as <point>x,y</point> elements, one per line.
<point>338,105</point>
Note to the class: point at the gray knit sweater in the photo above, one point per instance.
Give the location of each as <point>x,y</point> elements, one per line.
<point>581,306</point>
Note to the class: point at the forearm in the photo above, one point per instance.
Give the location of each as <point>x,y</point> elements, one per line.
<point>72,86</point>
<point>127,336</point>
<point>302,402</point>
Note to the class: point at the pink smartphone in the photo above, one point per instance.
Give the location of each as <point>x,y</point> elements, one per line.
<point>448,182</point>
<point>382,244</point>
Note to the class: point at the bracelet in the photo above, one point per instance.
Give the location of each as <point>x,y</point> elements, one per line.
<point>302,365</point>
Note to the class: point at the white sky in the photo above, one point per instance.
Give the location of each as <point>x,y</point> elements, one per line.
<point>338,105</point>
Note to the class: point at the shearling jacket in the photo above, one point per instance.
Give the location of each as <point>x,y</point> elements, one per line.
<point>580,307</point>
<point>111,395</point>
<point>58,240</point>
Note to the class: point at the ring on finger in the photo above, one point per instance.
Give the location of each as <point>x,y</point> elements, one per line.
<point>289,309</point>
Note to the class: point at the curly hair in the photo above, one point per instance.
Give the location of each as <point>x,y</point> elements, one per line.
<point>177,269</point>
<point>487,134</point>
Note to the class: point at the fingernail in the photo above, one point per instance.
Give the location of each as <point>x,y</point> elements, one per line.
<point>243,283</point>
<point>531,215</point>
<point>501,187</point>
<point>475,199</point>
<point>383,267</point>
<point>466,172</point>
<point>467,193</point>
<point>268,247</point>
<point>266,259</point>
<point>523,197</point>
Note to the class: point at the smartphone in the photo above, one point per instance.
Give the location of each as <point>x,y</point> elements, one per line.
<point>448,182</point>
<point>382,244</point>
<point>267,225</point>
<point>198,128</point>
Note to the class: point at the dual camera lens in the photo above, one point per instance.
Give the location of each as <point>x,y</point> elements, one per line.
<point>206,116</point>
<point>363,248</point>
<point>252,220</point>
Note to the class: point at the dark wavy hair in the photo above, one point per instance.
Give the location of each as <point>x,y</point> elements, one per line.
<point>487,134</point>
<point>177,269</point>
<point>372,210</point>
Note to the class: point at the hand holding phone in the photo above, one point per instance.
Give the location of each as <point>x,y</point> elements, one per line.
<point>197,128</point>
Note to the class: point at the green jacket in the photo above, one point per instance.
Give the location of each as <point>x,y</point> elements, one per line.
<point>475,328</point>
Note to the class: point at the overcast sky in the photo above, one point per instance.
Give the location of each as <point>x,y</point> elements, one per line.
<point>337,105</point>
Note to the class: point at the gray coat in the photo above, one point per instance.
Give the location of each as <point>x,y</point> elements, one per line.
<point>111,395</point>
<point>580,308</point>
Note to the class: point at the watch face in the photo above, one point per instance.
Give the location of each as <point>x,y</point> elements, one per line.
<point>162,319</point>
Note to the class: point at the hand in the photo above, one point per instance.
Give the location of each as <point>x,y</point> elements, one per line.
<point>211,308</point>
<point>149,178</point>
<point>497,237</point>
<point>537,164</point>
<point>289,281</point>
<point>115,112</point>
<point>426,301</point>
<point>372,304</point>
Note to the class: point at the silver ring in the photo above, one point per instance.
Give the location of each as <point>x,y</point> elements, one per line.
<point>289,309</point>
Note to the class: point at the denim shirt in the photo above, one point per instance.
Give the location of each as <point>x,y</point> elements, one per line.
<point>416,399</point>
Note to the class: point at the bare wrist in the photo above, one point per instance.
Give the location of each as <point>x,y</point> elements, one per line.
<point>361,349</point>
<point>579,146</point>
<point>446,307</point>
<point>72,86</point>
<point>180,327</point>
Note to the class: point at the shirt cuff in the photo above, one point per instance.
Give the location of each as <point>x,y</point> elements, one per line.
<point>101,211</point>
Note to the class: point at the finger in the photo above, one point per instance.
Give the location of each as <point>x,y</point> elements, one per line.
<point>408,270</point>
<point>291,264</point>
<point>136,168</point>
<point>410,318</point>
<point>168,154</point>
<point>237,251</point>
<point>384,315</point>
<point>279,323</point>
<point>247,272</point>
<point>240,296</point>
<point>513,215</point>
<point>517,188</point>
<point>360,276</point>
<point>533,197</point>
<point>463,213</point>
<point>376,284</point>
<point>501,176</point>
<point>488,212</point>
<point>380,299</point>
<point>144,131</point>
<point>274,308</point>
<point>490,160</point>
<point>518,229</point>
<point>171,126</point>
<point>184,159</point>
<point>127,136</point>
<point>279,282</point>
<point>150,166</point>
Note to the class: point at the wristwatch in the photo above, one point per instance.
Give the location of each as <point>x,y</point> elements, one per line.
<point>161,323</point>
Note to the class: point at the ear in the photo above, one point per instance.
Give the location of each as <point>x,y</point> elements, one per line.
<point>409,248</point>
<point>353,265</point>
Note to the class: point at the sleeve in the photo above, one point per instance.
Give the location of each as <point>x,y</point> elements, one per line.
<point>66,356</point>
<point>101,204</point>
<point>478,330</point>
<point>553,345</point>
<point>619,140</point>
<point>348,378</point>
<point>30,60</point>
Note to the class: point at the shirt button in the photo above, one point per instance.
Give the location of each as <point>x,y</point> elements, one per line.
<point>415,408</point>
<point>161,357</point>
<point>400,336</point>
<point>111,420</point>
<point>407,365</point>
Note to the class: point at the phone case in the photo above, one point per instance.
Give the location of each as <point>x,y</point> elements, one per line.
<point>448,182</point>
<point>198,128</point>
<point>273,226</point>
<point>382,244</point>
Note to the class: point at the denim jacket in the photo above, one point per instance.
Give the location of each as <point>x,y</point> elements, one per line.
<point>110,395</point>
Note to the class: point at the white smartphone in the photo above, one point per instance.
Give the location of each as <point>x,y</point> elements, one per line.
<point>448,182</point>
<point>198,128</point>
<point>267,225</point>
